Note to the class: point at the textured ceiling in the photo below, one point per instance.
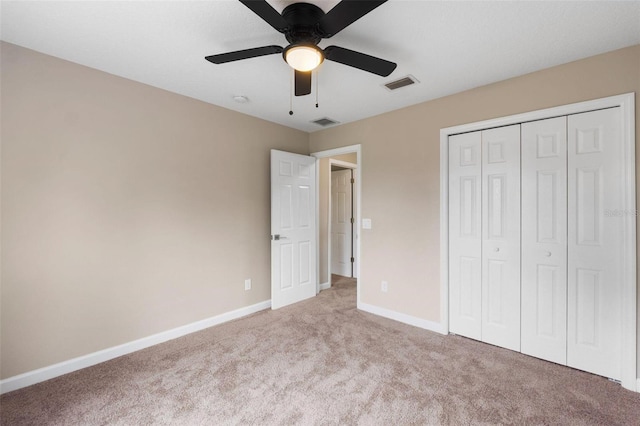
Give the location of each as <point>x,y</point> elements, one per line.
<point>449,46</point>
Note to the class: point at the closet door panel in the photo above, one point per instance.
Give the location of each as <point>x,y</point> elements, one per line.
<point>501,237</point>
<point>595,242</point>
<point>465,232</point>
<point>544,239</point>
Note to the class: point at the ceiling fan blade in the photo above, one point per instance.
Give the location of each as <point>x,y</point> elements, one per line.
<point>303,82</point>
<point>243,54</point>
<point>267,13</point>
<point>359,60</point>
<point>344,14</point>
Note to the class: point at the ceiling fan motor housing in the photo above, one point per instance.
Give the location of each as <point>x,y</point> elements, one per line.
<point>303,21</point>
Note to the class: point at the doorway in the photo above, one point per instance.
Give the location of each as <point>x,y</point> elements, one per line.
<point>348,157</point>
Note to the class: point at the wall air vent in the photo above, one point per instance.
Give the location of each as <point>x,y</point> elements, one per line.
<point>324,122</point>
<point>404,81</point>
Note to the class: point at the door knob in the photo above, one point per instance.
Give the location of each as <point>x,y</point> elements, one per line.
<point>548,254</point>
<point>497,249</point>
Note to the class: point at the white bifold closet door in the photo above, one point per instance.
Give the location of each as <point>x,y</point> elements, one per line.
<point>545,280</point>
<point>501,237</point>
<point>544,239</point>
<point>465,234</point>
<point>595,242</point>
<point>572,241</point>
<point>484,232</point>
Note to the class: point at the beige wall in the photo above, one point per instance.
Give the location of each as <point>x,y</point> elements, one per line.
<point>324,191</point>
<point>126,210</point>
<point>400,157</point>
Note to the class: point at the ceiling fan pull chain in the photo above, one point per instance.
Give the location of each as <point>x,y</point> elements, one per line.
<point>317,73</point>
<point>291,91</point>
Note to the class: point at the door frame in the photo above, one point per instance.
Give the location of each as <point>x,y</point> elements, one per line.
<point>353,168</point>
<point>626,103</point>
<point>357,149</point>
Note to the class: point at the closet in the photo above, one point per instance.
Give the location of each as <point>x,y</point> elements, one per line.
<point>535,252</point>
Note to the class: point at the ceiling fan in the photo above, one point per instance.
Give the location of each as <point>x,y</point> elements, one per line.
<point>304,25</point>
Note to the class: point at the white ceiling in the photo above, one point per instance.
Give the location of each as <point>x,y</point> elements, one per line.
<point>449,46</point>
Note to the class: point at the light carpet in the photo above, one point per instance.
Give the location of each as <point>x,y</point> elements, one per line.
<point>322,362</point>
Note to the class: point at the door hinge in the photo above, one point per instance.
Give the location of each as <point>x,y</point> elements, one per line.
<point>352,220</point>
<point>352,260</point>
<point>353,180</point>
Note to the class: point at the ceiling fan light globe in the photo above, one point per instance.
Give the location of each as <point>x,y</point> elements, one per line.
<point>303,58</point>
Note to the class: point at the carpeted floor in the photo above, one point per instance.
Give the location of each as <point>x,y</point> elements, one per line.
<point>322,362</point>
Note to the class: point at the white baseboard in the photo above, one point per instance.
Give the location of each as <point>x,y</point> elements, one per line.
<point>404,318</point>
<point>55,370</point>
<point>638,385</point>
<point>325,286</point>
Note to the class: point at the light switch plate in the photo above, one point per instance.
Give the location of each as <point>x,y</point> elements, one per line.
<point>366,223</point>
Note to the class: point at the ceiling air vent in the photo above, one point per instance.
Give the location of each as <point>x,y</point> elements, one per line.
<point>324,122</point>
<point>404,81</point>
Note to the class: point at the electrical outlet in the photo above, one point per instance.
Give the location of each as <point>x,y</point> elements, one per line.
<point>384,287</point>
<point>247,284</point>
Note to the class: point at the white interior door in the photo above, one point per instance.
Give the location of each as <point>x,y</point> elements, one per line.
<point>544,239</point>
<point>465,235</point>
<point>595,242</point>
<point>293,228</point>
<point>341,223</point>
<point>501,237</point>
